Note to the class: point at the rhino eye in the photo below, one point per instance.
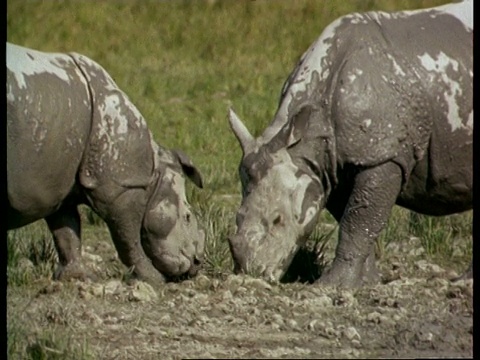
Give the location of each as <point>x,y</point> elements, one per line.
<point>187,218</point>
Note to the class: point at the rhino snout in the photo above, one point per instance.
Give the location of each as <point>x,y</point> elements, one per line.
<point>262,261</point>
<point>195,261</point>
<point>195,266</point>
<point>272,274</point>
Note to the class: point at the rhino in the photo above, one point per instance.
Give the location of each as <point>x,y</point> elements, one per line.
<point>74,137</point>
<point>378,111</point>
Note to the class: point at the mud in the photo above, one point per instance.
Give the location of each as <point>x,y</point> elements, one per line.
<point>416,312</point>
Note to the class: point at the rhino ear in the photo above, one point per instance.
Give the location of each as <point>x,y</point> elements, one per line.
<point>297,128</point>
<point>188,168</point>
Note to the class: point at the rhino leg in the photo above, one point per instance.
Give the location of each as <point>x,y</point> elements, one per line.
<point>369,273</point>
<point>65,228</point>
<point>124,216</point>
<point>374,193</point>
<point>336,206</point>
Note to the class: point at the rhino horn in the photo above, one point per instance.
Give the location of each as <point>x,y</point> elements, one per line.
<point>246,140</point>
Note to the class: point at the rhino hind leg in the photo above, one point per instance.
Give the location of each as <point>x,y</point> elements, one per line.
<point>374,193</point>
<point>65,228</point>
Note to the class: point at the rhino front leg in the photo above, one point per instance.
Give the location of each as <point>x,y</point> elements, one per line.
<point>374,193</point>
<point>124,218</point>
<point>65,228</point>
<point>131,253</point>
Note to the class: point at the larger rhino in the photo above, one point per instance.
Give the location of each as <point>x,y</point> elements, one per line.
<point>378,111</point>
<point>74,137</point>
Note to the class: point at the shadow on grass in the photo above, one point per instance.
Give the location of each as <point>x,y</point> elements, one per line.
<point>309,262</point>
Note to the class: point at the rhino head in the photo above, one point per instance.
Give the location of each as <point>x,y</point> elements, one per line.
<point>171,235</point>
<point>285,182</point>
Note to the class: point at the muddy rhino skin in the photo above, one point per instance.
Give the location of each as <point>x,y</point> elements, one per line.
<point>378,111</point>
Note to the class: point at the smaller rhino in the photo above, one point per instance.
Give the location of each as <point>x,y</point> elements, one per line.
<point>73,137</point>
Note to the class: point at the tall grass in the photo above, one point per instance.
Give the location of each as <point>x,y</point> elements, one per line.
<point>31,254</point>
<point>444,237</point>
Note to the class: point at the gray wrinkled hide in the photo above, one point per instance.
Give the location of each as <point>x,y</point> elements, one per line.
<point>74,137</point>
<point>378,111</point>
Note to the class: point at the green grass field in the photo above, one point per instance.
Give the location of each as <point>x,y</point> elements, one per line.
<point>184,63</point>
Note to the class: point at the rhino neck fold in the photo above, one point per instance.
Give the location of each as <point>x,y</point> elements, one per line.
<point>85,177</point>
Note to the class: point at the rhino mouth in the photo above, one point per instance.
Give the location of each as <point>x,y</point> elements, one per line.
<point>191,273</point>
<point>173,266</point>
<point>178,270</point>
<point>260,262</point>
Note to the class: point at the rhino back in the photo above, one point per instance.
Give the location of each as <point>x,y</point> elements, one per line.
<point>399,80</point>
<point>391,85</point>
<point>48,122</point>
<point>406,94</point>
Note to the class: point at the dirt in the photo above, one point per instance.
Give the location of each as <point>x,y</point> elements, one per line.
<point>416,312</point>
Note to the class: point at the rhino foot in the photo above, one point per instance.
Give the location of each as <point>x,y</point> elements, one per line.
<point>147,274</point>
<point>370,274</point>
<point>350,275</point>
<point>74,270</point>
<point>336,277</point>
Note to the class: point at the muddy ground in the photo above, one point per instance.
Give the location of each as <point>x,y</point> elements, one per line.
<point>417,312</point>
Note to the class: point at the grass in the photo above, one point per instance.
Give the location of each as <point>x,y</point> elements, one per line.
<point>443,237</point>
<point>30,254</point>
<point>183,64</point>
<point>55,339</point>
